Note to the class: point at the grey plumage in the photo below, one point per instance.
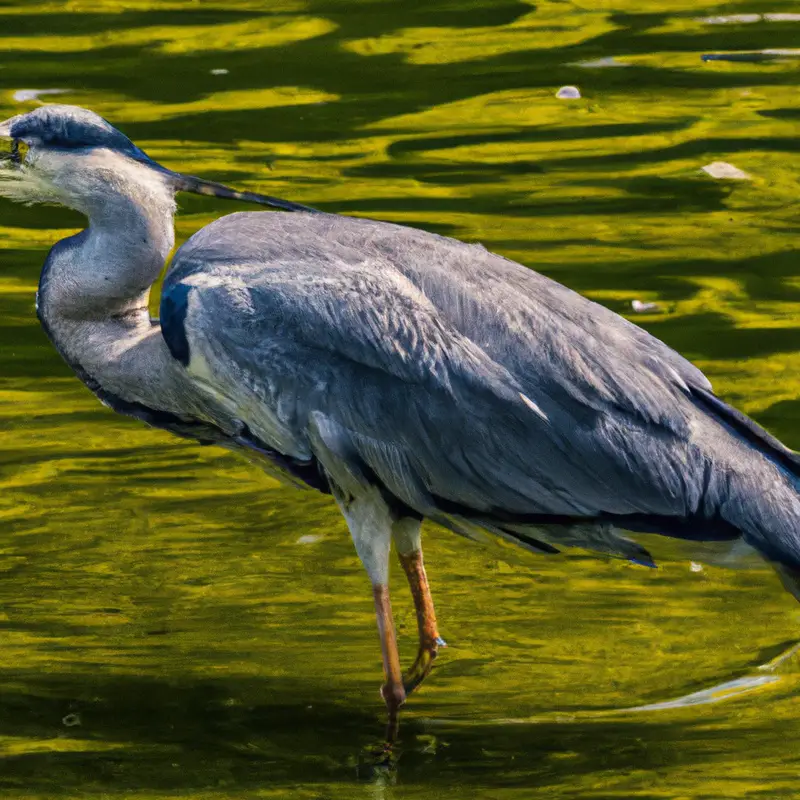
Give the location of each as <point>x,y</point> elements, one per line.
<point>463,381</point>
<point>468,387</point>
<point>409,374</point>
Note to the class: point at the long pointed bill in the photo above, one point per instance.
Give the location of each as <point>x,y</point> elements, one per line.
<point>73,129</point>
<point>11,156</point>
<point>189,183</point>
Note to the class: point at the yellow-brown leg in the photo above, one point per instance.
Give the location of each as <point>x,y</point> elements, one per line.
<point>371,523</point>
<point>392,691</point>
<point>429,640</point>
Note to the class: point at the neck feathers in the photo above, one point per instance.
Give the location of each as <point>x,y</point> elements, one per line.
<point>94,288</point>
<point>107,270</point>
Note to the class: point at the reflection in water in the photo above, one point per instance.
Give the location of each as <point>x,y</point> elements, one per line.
<point>724,691</point>
<point>212,632</point>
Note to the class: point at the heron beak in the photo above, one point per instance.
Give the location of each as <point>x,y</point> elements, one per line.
<point>14,155</point>
<point>11,160</point>
<point>5,133</point>
<point>189,183</point>
<point>18,180</point>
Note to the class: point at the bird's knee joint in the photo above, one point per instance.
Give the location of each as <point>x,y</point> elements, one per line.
<point>394,695</point>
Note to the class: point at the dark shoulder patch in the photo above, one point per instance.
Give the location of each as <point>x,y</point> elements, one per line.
<point>174,305</point>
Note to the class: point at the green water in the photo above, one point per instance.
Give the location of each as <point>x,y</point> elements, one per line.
<point>174,624</point>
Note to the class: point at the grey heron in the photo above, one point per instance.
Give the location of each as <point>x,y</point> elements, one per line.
<point>407,374</point>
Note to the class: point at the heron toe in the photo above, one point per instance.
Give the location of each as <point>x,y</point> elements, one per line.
<point>421,667</point>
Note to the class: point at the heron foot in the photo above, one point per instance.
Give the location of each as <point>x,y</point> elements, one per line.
<point>422,666</point>
<point>429,639</point>
<point>377,763</point>
<point>394,695</point>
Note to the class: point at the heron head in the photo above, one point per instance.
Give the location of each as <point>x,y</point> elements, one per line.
<point>72,156</point>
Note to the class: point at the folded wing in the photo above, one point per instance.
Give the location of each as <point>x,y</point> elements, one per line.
<point>451,394</point>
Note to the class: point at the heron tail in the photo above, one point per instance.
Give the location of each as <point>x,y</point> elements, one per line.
<point>764,504</point>
<point>759,492</point>
<point>548,539</point>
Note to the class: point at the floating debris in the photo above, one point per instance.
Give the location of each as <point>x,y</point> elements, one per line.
<point>71,720</point>
<point>219,71</point>
<point>641,307</point>
<point>568,93</point>
<point>598,63</point>
<point>754,57</point>
<point>749,19</point>
<point>310,538</point>
<point>26,95</point>
<point>722,170</point>
<point>731,19</point>
<point>715,694</point>
<point>695,567</point>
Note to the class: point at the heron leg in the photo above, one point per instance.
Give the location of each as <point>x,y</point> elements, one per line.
<point>392,691</point>
<point>409,546</point>
<point>370,523</point>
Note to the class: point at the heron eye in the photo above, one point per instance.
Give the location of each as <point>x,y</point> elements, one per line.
<point>19,150</point>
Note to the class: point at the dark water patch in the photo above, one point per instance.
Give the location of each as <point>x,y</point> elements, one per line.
<point>539,134</point>
<point>206,632</point>
<point>694,149</point>
<point>375,17</point>
<point>781,113</point>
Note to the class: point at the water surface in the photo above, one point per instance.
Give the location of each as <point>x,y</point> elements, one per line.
<point>175,624</point>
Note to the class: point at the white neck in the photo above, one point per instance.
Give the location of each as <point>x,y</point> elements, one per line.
<point>94,292</point>
<point>108,269</point>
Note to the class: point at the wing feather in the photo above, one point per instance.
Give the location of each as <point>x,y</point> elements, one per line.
<point>452,375</point>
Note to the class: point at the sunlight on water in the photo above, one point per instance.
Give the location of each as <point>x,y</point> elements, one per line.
<point>252,34</point>
<point>176,624</point>
<point>243,100</point>
<point>546,26</point>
